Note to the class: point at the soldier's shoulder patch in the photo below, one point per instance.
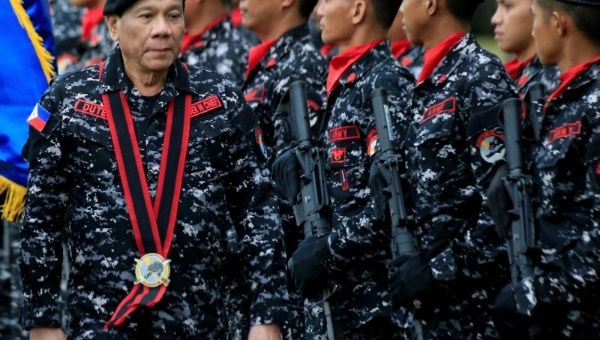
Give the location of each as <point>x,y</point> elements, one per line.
<point>491,146</point>
<point>206,105</point>
<point>38,118</point>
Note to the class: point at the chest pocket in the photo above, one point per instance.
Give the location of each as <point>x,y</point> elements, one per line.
<point>207,153</point>
<point>437,130</point>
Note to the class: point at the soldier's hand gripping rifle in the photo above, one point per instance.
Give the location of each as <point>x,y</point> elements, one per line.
<point>519,186</point>
<point>313,199</point>
<point>402,242</point>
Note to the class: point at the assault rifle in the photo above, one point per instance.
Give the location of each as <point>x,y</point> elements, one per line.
<point>313,199</point>
<point>402,243</point>
<point>519,186</point>
<point>402,240</point>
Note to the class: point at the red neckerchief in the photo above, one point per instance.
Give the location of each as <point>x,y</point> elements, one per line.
<point>567,78</point>
<point>257,54</point>
<point>433,56</point>
<point>399,47</point>
<point>189,40</point>
<point>514,67</point>
<point>343,61</point>
<point>92,18</point>
<point>236,16</point>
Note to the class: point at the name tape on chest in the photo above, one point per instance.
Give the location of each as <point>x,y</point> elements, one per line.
<point>447,105</point>
<point>565,131</point>
<point>206,105</point>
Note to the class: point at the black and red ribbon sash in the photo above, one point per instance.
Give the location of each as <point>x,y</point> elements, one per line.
<point>153,222</point>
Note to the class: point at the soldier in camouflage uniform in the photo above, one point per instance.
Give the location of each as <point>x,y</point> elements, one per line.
<point>212,41</point>
<point>354,255</point>
<point>453,147</point>
<point>81,190</point>
<point>512,27</point>
<point>286,54</point>
<point>66,27</point>
<point>408,54</point>
<point>561,299</point>
<point>95,43</point>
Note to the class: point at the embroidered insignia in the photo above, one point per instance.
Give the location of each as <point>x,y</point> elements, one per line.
<point>38,118</point>
<point>206,105</point>
<point>491,146</point>
<point>447,105</point>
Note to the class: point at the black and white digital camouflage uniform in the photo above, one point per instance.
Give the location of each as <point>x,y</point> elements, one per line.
<point>530,72</point>
<point>66,28</point>
<point>95,43</point>
<point>290,58</point>
<point>408,55</point>
<point>359,244</point>
<point>562,299</point>
<point>227,217</point>
<point>454,145</point>
<point>222,48</point>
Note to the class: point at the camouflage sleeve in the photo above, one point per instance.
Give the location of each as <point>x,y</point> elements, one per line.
<point>356,232</point>
<point>42,228</point>
<point>478,250</point>
<point>573,277</point>
<point>254,209</point>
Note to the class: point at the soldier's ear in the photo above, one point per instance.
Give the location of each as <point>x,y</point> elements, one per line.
<point>359,11</point>
<point>561,22</point>
<point>432,6</point>
<point>112,21</point>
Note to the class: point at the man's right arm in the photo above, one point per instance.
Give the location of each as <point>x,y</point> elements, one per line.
<point>41,232</point>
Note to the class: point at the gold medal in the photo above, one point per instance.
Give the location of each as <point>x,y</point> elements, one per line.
<point>152,270</point>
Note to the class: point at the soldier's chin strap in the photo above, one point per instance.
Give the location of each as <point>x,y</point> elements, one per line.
<point>153,223</point>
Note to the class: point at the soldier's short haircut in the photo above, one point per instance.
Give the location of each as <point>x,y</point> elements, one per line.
<point>306,7</point>
<point>585,17</point>
<point>463,10</point>
<point>385,11</point>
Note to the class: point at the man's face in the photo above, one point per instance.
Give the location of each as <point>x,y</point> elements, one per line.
<point>512,22</point>
<point>149,33</point>
<point>258,14</point>
<point>336,20</point>
<point>415,19</point>
<point>396,31</point>
<point>544,34</point>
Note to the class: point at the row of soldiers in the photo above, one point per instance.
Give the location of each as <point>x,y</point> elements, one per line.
<point>231,237</point>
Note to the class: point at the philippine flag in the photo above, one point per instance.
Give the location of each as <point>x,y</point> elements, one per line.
<point>38,118</point>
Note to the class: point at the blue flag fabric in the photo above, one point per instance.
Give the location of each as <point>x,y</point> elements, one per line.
<point>27,67</point>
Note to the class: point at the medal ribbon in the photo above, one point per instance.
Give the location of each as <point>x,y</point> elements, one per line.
<point>151,221</point>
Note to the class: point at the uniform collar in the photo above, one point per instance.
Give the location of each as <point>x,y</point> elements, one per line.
<point>342,62</point>
<point>433,56</point>
<point>90,20</point>
<point>399,47</point>
<point>573,78</point>
<point>113,77</point>
<point>515,68</point>
<point>257,54</point>
<point>197,39</point>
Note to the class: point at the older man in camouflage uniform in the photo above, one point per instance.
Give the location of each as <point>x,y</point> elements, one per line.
<point>190,198</point>
<point>561,299</point>
<point>355,253</point>
<point>212,41</point>
<point>453,148</point>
